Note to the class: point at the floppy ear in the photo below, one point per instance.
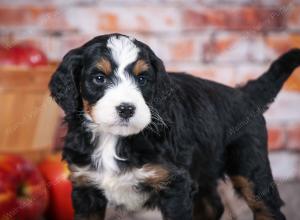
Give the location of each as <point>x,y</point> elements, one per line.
<point>64,84</point>
<point>163,84</point>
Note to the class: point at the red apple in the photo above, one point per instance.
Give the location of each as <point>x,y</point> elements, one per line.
<point>23,193</point>
<point>4,57</point>
<point>22,54</point>
<point>56,173</point>
<point>27,55</point>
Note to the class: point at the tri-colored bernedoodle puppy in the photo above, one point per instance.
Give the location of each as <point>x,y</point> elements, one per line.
<point>140,137</point>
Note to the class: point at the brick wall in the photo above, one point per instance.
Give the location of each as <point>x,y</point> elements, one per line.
<point>229,41</point>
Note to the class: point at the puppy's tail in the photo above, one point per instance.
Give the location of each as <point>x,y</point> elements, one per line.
<point>264,89</point>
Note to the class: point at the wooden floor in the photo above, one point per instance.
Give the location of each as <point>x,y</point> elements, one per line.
<point>235,209</point>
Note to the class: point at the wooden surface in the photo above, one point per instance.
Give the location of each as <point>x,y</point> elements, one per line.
<point>28,116</point>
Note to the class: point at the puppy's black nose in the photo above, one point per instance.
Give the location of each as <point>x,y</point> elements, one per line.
<point>125,110</point>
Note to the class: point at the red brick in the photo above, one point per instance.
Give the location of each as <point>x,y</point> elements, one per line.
<point>218,46</point>
<point>273,2</point>
<point>181,48</point>
<point>284,165</point>
<point>110,21</point>
<point>148,2</point>
<point>222,74</point>
<point>72,41</point>
<point>51,45</point>
<point>276,138</point>
<point>244,46</point>
<point>227,2</point>
<point>279,44</point>
<point>235,48</point>
<point>118,18</point>
<point>17,16</point>
<point>246,2</point>
<point>293,83</point>
<point>285,108</point>
<point>250,72</point>
<point>55,21</point>
<point>21,15</point>
<point>32,18</point>
<point>293,20</point>
<point>293,137</point>
<point>282,42</point>
<point>56,46</point>
<point>47,2</point>
<point>241,18</point>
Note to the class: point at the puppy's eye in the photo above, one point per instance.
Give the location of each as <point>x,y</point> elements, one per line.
<point>142,80</point>
<point>99,80</point>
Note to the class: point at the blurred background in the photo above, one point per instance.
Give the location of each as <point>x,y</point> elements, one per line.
<point>229,41</point>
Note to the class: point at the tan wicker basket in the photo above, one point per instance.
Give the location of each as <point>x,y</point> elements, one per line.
<point>28,116</point>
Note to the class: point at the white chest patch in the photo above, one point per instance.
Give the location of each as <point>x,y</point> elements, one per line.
<point>119,188</point>
<point>122,189</point>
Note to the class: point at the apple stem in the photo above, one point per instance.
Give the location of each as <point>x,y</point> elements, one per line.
<point>21,190</point>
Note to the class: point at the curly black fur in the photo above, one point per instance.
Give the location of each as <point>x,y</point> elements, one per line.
<point>211,130</point>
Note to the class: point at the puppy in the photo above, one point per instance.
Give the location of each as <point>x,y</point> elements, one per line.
<point>140,137</point>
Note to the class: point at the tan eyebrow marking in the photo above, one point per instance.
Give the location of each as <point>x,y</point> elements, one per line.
<point>104,65</point>
<point>140,67</point>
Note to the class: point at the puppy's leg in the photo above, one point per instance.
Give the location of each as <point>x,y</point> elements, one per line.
<point>249,169</point>
<point>176,202</point>
<point>207,205</point>
<point>89,203</point>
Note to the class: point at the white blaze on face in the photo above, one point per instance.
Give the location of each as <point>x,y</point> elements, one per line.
<point>124,52</point>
